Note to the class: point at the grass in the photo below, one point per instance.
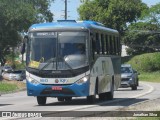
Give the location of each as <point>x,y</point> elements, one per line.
<point>11,86</point>
<point>147,118</point>
<point>150,77</point>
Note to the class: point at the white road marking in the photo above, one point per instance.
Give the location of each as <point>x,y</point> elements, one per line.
<point>106,102</point>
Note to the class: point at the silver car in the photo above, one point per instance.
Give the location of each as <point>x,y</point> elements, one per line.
<point>129,77</point>
<point>7,68</point>
<point>18,75</point>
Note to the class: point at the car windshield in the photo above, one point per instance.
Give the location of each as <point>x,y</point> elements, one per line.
<point>7,67</point>
<point>126,70</point>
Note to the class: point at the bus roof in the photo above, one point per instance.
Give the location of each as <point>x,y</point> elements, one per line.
<point>70,25</point>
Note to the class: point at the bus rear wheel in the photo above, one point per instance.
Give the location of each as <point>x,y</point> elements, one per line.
<point>109,95</point>
<point>102,96</point>
<point>41,100</point>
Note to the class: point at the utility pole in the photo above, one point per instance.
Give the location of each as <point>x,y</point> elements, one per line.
<point>65,9</point>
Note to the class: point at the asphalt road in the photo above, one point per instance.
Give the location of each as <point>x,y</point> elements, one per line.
<point>123,97</point>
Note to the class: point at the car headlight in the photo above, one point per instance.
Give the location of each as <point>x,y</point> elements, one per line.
<point>31,80</point>
<point>131,79</point>
<point>83,80</point>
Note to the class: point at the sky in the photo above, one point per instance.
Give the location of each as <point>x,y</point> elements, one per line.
<point>57,8</point>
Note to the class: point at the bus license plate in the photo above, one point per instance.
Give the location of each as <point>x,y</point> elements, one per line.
<point>56,88</point>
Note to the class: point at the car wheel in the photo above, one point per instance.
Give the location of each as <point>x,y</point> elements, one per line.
<point>134,87</point>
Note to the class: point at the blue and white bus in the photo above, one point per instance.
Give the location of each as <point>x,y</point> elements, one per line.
<point>66,59</point>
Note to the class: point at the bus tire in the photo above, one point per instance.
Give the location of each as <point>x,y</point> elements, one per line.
<point>109,95</point>
<point>41,100</point>
<point>60,99</point>
<point>102,96</point>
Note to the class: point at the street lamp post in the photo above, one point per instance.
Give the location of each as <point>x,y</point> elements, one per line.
<point>65,9</point>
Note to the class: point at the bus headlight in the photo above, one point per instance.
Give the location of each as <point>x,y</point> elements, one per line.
<point>83,80</point>
<point>33,81</point>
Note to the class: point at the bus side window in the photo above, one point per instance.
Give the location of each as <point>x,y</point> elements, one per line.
<point>102,43</point>
<point>104,40</point>
<point>115,45</point>
<point>118,46</point>
<point>97,44</point>
<point>107,45</point>
<point>93,45</point>
<point>110,45</point>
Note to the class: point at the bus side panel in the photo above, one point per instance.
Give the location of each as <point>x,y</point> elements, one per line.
<point>117,71</point>
<point>101,71</point>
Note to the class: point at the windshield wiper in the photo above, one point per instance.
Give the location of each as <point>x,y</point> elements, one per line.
<point>48,62</point>
<point>63,59</point>
<point>53,60</point>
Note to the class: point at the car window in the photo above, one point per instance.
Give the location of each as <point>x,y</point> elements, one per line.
<point>126,70</point>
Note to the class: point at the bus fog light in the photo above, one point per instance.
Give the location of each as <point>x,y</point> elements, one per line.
<point>83,80</point>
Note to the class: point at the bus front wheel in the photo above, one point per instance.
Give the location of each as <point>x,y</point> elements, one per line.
<point>41,100</point>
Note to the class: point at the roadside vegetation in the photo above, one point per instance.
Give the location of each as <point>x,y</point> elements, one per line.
<point>11,86</point>
<point>147,118</point>
<point>8,86</point>
<point>148,65</point>
<point>14,61</point>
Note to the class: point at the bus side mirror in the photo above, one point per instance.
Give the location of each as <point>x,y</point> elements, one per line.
<point>23,47</point>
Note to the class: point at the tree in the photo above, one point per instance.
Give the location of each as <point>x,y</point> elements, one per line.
<point>141,38</point>
<point>112,13</point>
<point>152,15</point>
<point>16,17</point>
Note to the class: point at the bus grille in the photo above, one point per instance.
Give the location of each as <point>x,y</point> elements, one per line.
<point>62,74</point>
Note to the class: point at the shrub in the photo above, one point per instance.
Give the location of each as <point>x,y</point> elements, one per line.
<point>148,62</point>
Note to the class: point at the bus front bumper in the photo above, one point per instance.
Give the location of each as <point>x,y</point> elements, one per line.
<point>73,90</point>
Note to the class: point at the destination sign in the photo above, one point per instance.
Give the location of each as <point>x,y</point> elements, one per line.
<point>46,34</point>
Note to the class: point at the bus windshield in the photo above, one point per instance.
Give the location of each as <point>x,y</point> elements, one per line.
<point>58,51</point>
